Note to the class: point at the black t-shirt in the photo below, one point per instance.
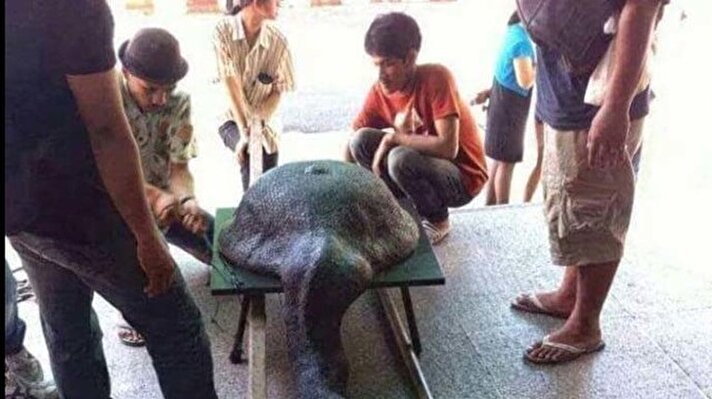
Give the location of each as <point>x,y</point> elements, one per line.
<point>52,185</point>
<point>560,95</point>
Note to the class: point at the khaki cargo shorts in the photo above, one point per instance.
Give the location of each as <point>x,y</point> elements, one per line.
<point>587,210</point>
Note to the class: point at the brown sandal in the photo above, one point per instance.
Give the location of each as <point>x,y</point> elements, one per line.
<point>131,337</point>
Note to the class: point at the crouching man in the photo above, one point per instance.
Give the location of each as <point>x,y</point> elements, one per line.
<point>159,117</point>
<point>432,151</point>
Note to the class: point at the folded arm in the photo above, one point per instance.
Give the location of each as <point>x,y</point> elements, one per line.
<point>444,144</point>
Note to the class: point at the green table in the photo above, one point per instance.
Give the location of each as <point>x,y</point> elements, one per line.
<point>420,269</point>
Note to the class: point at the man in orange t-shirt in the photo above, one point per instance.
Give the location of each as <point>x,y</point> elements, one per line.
<point>434,153</point>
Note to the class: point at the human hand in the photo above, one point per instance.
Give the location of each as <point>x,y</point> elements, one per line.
<point>247,131</point>
<point>388,142</point>
<point>480,97</point>
<point>192,217</point>
<point>164,208</point>
<point>607,137</point>
<point>156,262</point>
<point>277,85</point>
<point>404,122</point>
<point>241,151</point>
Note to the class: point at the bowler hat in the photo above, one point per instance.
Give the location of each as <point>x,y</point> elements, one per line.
<point>154,55</point>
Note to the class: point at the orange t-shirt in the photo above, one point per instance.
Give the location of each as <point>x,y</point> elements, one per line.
<point>435,96</point>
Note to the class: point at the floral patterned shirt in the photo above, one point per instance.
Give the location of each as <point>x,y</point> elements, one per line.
<point>163,137</point>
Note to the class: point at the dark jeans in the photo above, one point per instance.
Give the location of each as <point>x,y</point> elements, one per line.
<point>434,184</point>
<point>65,276</point>
<point>200,246</point>
<point>269,161</point>
<point>231,136</point>
<point>14,326</point>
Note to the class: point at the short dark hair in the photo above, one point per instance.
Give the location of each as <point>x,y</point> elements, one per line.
<point>234,9</point>
<point>392,35</point>
<point>514,19</point>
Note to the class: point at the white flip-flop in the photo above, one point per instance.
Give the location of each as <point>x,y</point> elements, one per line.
<point>435,235</point>
<point>569,352</point>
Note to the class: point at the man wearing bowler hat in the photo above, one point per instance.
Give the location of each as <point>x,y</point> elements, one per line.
<point>160,121</point>
<point>159,117</point>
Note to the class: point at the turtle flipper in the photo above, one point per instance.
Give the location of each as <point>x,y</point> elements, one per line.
<point>318,295</point>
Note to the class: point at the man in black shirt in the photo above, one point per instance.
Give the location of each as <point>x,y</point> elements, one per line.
<point>75,207</point>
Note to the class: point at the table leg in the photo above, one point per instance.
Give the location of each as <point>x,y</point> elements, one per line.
<point>257,380</point>
<point>405,345</point>
<point>236,353</point>
<point>410,317</point>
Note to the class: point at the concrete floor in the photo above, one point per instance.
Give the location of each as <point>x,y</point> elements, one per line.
<point>656,324</point>
<point>657,320</point>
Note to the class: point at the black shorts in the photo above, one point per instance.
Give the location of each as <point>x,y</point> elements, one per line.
<point>506,122</point>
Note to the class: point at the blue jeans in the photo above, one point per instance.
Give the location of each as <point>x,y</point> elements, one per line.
<point>14,326</point>
<point>433,184</point>
<point>65,275</point>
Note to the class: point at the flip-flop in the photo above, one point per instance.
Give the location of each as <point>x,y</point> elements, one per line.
<point>24,289</point>
<point>435,235</point>
<point>566,352</point>
<point>530,303</point>
<point>25,296</point>
<point>24,292</point>
<point>130,337</point>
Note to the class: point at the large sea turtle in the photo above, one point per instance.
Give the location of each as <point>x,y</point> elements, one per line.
<point>325,228</point>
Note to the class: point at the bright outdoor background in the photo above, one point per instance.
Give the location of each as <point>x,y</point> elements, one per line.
<point>333,75</point>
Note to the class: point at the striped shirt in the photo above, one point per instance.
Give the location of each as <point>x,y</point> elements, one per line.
<point>270,55</point>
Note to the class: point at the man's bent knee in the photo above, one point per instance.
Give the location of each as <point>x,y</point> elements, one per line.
<point>402,162</point>
<point>364,142</point>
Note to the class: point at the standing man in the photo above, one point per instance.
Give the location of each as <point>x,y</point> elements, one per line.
<point>254,65</point>
<point>75,206</point>
<point>588,175</point>
<point>434,154</point>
